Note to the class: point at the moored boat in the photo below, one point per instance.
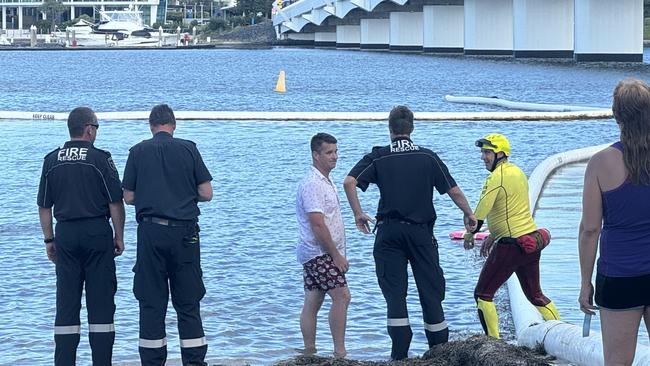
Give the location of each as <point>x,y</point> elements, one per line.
<point>116,28</point>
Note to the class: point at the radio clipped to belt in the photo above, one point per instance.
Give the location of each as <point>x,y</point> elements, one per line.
<point>535,241</point>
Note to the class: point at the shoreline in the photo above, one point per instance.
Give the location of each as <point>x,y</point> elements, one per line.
<point>475,350</point>
<point>211,45</point>
<point>61,48</point>
<point>257,36</point>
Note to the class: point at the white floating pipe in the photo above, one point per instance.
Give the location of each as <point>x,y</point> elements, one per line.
<point>325,116</point>
<point>560,339</point>
<point>522,106</point>
<point>546,167</point>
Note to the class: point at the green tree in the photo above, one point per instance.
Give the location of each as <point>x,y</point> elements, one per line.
<point>44,25</point>
<point>53,10</point>
<point>238,21</point>
<point>175,16</point>
<point>217,24</point>
<point>249,8</point>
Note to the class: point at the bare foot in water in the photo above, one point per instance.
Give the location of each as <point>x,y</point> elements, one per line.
<point>340,354</point>
<point>308,351</point>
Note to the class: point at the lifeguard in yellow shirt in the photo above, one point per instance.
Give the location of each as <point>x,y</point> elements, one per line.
<point>504,203</point>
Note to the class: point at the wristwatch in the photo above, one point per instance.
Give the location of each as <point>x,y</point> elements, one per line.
<point>48,240</point>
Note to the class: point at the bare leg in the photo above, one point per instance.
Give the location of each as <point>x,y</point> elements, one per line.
<point>619,330</point>
<point>646,319</point>
<point>337,317</point>
<point>313,301</point>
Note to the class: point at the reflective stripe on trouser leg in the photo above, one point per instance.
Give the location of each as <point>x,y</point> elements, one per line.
<point>191,343</point>
<point>101,328</point>
<point>66,340</point>
<point>152,343</point>
<point>187,290</point>
<point>153,351</point>
<point>69,286</point>
<point>150,287</point>
<point>101,285</point>
<point>67,329</point>
<point>101,338</point>
<point>436,333</point>
<point>190,329</point>
<point>399,330</point>
<point>390,267</point>
<point>430,282</point>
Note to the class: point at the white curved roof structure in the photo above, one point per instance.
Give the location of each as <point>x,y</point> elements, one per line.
<point>297,15</point>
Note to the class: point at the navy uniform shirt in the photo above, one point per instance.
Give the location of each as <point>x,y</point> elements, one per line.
<point>164,173</point>
<point>80,181</point>
<point>406,175</point>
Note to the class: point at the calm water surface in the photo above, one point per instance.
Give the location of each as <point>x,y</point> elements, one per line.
<point>254,288</point>
<point>317,80</point>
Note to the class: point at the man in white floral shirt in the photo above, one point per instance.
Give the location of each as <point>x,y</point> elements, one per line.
<point>321,246</point>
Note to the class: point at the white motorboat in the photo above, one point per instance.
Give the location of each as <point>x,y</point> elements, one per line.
<point>80,27</point>
<point>117,28</point>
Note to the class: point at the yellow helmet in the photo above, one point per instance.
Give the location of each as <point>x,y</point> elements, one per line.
<point>495,142</point>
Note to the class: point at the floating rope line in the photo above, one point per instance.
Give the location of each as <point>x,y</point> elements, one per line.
<point>325,116</point>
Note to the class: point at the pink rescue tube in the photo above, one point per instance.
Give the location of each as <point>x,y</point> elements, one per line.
<point>458,235</point>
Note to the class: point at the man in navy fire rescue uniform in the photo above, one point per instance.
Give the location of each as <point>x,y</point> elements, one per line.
<point>406,175</point>
<point>81,187</point>
<point>165,177</point>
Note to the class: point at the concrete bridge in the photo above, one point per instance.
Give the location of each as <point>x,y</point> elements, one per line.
<point>586,30</point>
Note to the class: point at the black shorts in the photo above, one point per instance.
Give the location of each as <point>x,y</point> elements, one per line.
<point>622,293</point>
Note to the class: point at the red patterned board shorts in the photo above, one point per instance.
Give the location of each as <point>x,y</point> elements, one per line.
<point>320,273</point>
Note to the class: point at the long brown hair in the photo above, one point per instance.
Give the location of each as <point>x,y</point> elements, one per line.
<point>631,109</point>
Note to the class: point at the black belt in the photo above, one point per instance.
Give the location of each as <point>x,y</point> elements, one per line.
<point>105,218</point>
<point>400,220</point>
<point>167,222</point>
<point>508,240</point>
<point>386,220</point>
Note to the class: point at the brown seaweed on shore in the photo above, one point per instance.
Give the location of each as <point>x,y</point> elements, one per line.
<point>477,350</point>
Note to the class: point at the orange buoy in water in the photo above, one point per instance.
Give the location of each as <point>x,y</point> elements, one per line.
<point>279,86</point>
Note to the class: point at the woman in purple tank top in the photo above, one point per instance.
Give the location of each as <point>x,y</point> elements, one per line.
<point>616,210</point>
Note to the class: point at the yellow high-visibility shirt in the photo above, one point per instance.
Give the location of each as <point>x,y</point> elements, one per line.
<point>504,203</point>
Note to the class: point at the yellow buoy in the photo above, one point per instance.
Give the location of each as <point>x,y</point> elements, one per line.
<point>279,87</point>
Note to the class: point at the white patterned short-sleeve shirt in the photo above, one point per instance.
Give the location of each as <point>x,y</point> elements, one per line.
<point>317,193</point>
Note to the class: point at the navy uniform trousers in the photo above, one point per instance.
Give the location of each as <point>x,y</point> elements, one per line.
<point>169,259</point>
<point>84,254</point>
<point>398,243</point>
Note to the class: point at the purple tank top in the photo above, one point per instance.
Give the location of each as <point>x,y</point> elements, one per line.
<point>625,237</point>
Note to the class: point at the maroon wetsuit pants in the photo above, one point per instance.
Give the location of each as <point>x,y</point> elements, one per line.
<point>504,260</point>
